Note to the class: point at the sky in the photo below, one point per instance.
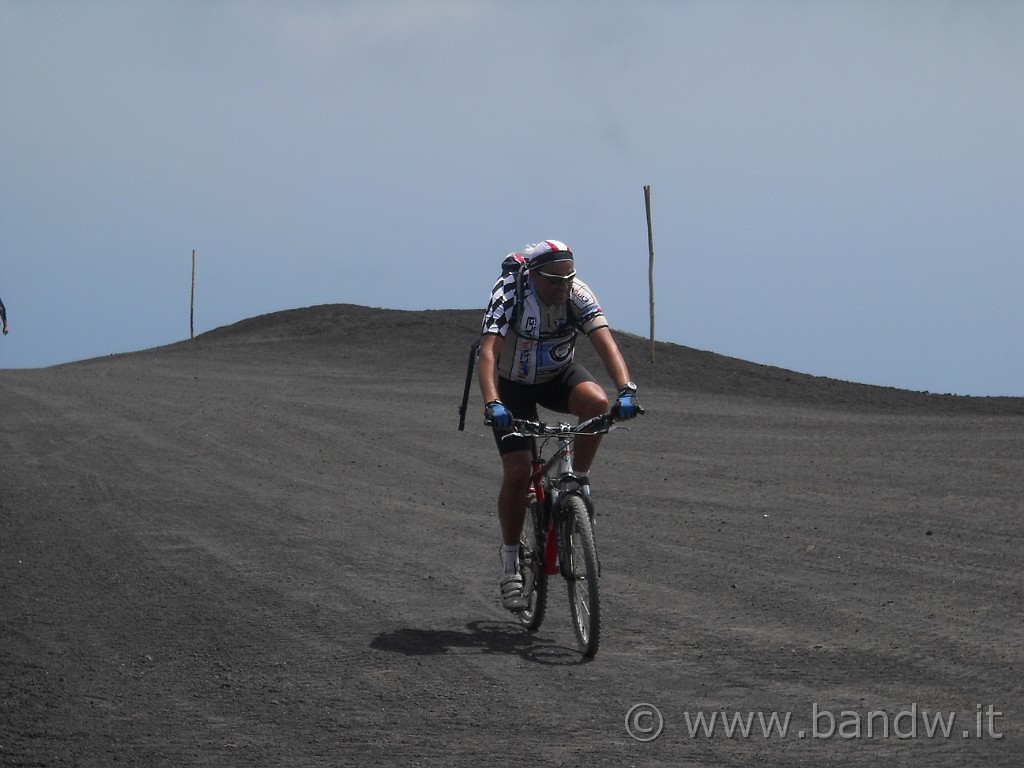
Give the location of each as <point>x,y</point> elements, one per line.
<point>837,188</point>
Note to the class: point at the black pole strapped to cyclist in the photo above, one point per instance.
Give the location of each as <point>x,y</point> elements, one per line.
<point>474,352</point>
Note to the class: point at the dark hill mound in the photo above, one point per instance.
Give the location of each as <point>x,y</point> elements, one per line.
<point>436,342</point>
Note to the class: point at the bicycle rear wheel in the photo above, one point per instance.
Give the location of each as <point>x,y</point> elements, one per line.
<point>582,574</point>
<point>531,565</point>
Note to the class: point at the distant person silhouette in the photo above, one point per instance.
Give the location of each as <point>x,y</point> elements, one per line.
<point>3,315</point>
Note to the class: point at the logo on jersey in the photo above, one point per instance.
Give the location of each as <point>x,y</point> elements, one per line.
<point>525,357</point>
<point>562,352</point>
<point>530,326</point>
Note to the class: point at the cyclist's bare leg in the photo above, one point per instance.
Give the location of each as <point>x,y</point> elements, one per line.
<point>586,401</point>
<point>517,469</point>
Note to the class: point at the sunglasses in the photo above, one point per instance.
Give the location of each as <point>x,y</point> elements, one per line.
<point>558,278</point>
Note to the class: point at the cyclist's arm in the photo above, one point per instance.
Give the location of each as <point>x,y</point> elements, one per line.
<point>490,348</point>
<point>608,351</point>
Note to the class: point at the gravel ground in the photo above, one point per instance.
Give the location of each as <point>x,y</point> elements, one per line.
<point>270,546</point>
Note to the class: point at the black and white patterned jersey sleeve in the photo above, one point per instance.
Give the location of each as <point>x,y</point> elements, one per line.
<point>499,308</point>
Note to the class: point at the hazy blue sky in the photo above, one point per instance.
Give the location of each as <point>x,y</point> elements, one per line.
<point>838,187</point>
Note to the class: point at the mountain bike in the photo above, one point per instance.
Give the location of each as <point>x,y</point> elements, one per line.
<point>558,530</point>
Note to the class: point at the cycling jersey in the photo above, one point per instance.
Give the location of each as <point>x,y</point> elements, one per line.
<point>540,340</point>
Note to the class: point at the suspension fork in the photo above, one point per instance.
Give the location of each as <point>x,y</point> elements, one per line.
<point>566,484</point>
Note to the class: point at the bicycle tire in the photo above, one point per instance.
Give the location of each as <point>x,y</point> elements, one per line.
<point>531,564</point>
<point>582,575</point>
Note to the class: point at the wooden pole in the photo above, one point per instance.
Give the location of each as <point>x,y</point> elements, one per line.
<point>650,266</point>
<point>192,304</point>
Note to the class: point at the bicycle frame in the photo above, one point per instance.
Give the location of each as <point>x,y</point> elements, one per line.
<point>555,476</point>
<point>548,502</point>
<point>538,489</point>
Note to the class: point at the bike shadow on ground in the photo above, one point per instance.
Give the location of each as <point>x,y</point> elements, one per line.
<point>483,637</point>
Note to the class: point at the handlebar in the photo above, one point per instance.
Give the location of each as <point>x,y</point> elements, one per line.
<point>599,425</point>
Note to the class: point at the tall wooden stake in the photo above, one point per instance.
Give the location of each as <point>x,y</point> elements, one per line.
<point>192,304</point>
<point>650,267</point>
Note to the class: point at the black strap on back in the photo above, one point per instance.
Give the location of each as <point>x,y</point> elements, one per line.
<point>474,350</point>
<point>521,273</point>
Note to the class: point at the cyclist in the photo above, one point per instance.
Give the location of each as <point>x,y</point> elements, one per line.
<point>526,358</point>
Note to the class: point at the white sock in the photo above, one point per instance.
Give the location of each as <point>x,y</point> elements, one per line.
<point>510,558</point>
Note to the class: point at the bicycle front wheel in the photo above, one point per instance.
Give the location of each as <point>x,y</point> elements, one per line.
<point>531,565</point>
<point>582,574</point>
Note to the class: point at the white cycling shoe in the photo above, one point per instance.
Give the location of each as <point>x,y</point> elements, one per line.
<point>512,598</point>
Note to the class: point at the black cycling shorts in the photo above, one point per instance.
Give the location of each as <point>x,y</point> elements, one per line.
<point>523,399</point>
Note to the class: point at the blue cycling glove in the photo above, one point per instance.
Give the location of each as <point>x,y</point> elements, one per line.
<point>497,415</point>
<point>627,406</point>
